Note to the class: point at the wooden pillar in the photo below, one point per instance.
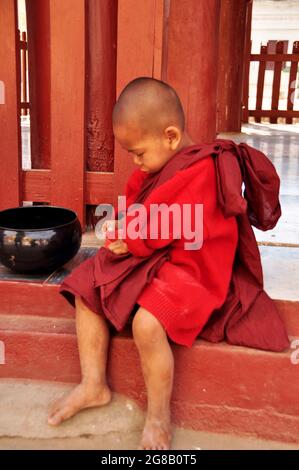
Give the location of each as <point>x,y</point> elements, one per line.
<point>245,88</point>
<point>191,62</point>
<point>231,64</point>
<point>67,30</point>
<point>139,53</point>
<point>38,26</point>
<point>101,91</point>
<point>10,150</point>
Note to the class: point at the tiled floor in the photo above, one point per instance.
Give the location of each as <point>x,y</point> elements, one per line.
<point>51,278</point>
<point>281,271</point>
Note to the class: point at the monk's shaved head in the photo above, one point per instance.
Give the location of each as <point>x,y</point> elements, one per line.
<point>150,105</point>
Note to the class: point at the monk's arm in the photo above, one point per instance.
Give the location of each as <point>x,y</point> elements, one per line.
<point>155,228</point>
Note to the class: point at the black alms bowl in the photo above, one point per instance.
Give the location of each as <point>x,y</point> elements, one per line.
<point>37,239</point>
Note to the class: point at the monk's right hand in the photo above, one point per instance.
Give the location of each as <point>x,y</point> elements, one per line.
<point>118,247</point>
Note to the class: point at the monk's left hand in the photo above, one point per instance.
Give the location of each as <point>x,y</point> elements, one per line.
<point>119,247</point>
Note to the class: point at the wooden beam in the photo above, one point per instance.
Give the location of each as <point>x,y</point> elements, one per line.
<point>67,31</point>
<point>274,57</point>
<point>274,113</point>
<point>10,150</point>
<point>99,186</point>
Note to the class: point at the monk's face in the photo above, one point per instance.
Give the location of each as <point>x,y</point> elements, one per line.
<point>150,151</point>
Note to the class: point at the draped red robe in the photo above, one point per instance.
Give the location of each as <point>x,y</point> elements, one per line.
<point>216,291</point>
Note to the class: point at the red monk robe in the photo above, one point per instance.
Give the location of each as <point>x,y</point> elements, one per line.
<point>190,284</point>
<point>217,290</point>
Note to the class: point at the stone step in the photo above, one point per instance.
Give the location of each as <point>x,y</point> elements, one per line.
<point>217,386</point>
<point>35,299</point>
<point>118,426</point>
<point>38,295</point>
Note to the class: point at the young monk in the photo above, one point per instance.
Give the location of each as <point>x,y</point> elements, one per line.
<point>149,123</point>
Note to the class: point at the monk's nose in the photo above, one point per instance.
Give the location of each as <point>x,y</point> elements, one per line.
<point>137,161</point>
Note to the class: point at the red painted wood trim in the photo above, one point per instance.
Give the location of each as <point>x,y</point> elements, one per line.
<point>23,53</point>
<point>292,81</point>
<point>38,27</point>
<point>37,185</point>
<point>276,82</point>
<point>99,186</point>
<point>274,57</point>
<point>248,46</point>
<point>101,90</point>
<point>10,150</point>
<point>260,83</point>
<point>277,113</point>
<point>67,28</point>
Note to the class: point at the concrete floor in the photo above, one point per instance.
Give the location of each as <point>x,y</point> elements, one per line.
<point>279,247</point>
<point>118,426</point>
<point>281,144</point>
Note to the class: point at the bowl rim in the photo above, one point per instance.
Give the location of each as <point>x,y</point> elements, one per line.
<point>39,229</point>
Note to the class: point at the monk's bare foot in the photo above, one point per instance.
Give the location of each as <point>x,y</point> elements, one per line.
<point>156,435</point>
<point>82,396</point>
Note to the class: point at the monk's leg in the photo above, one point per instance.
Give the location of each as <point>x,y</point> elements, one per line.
<point>93,341</point>
<point>157,366</point>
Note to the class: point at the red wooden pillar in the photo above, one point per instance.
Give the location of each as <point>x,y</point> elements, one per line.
<point>191,67</point>
<point>139,53</point>
<point>231,64</point>
<point>101,66</point>
<point>101,89</point>
<point>67,29</point>
<point>10,151</point>
<point>245,92</point>
<point>38,25</point>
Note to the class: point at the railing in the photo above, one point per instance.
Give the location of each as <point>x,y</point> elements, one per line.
<point>272,57</point>
<point>66,182</point>
<point>23,46</point>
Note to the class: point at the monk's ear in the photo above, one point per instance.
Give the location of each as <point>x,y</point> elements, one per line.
<point>173,136</point>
